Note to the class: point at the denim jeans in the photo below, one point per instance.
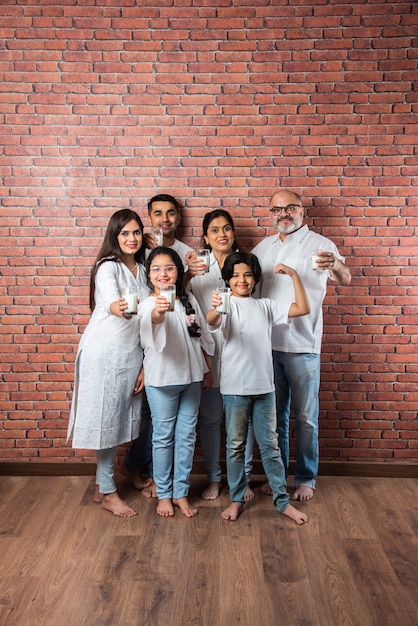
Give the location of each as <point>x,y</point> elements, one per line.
<point>210,419</point>
<point>105,472</point>
<point>174,411</point>
<point>296,378</point>
<point>262,412</point>
<point>249,452</point>
<point>139,457</point>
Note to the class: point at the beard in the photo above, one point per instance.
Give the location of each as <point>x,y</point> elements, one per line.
<point>295,224</point>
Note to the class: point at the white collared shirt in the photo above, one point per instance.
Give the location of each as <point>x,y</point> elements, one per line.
<point>303,334</point>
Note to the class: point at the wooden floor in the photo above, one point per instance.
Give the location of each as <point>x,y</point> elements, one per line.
<point>65,561</point>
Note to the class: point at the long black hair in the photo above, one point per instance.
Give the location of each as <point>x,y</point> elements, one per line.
<point>193,328</point>
<point>110,249</point>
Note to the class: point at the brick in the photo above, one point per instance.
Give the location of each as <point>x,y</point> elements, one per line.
<point>105,106</point>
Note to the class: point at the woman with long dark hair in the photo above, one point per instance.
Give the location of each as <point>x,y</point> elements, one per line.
<point>219,238</point>
<point>106,406</point>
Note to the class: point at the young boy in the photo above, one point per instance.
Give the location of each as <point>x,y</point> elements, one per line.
<point>247,382</point>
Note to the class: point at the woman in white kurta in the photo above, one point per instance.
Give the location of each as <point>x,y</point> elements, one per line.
<point>106,406</point>
<point>177,348</point>
<point>218,237</point>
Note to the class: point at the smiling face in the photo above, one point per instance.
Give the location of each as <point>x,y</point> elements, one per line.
<point>220,236</point>
<point>290,217</point>
<point>162,272</point>
<point>242,281</point>
<point>130,239</point>
<point>164,215</point>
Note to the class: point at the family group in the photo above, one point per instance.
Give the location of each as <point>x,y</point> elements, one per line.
<point>152,373</point>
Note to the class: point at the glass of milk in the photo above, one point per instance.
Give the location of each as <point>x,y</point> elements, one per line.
<point>225,294</point>
<point>131,299</point>
<point>203,255</point>
<point>158,234</point>
<point>314,260</point>
<point>169,293</point>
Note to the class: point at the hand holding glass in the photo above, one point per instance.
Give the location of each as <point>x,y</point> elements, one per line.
<point>225,294</point>
<point>157,233</point>
<point>316,256</point>
<point>203,255</point>
<point>169,293</point>
<point>131,299</point>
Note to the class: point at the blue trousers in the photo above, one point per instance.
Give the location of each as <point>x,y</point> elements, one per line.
<point>174,411</point>
<point>296,378</point>
<point>210,419</point>
<point>261,410</point>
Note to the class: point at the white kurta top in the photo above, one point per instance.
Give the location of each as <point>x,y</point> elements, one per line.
<point>202,286</point>
<point>246,361</point>
<point>304,335</point>
<point>171,356</point>
<point>104,413</point>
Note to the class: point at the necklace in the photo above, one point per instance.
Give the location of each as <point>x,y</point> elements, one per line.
<point>132,269</point>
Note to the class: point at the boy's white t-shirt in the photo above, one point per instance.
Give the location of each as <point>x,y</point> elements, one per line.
<point>246,359</point>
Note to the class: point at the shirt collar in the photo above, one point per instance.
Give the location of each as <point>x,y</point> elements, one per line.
<point>298,236</point>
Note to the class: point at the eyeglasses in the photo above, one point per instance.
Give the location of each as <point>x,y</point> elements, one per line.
<point>289,209</point>
<point>156,269</point>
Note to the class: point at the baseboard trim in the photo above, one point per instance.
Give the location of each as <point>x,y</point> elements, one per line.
<point>326,468</point>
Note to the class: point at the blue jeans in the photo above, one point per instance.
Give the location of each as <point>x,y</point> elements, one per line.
<point>210,419</point>
<point>105,470</point>
<point>296,378</point>
<point>139,457</point>
<point>174,411</point>
<point>249,452</point>
<point>261,410</point>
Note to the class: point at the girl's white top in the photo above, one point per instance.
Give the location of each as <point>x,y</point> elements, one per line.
<point>246,360</point>
<point>171,356</point>
<point>104,412</point>
<point>202,286</point>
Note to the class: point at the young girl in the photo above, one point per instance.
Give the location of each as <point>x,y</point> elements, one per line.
<point>176,346</point>
<point>106,406</point>
<point>247,384</point>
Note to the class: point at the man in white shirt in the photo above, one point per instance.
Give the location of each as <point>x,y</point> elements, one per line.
<point>164,212</point>
<point>297,347</point>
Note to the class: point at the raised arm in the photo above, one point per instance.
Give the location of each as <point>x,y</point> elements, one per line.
<point>301,304</point>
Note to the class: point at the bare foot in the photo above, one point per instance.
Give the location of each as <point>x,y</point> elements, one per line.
<point>185,507</point>
<point>249,494</point>
<point>112,502</point>
<point>302,493</point>
<point>98,497</point>
<point>294,514</point>
<point>212,490</point>
<point>136,479</point>
<point>150,491</point>
<point>266,489</point>
<point>165,508</point>
<point>233,511</point>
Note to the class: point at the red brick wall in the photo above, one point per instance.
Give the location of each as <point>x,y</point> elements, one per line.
<point>103,104</point>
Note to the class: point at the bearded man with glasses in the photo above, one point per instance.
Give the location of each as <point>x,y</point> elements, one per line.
<point>297,346</point>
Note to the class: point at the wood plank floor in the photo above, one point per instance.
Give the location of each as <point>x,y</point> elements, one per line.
<point>65,561</point>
